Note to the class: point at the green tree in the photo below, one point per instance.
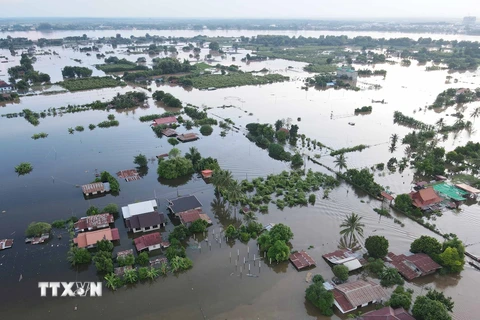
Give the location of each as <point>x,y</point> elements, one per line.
<point>440,297</point>
<point>234,194</point>
<point>427,309</point>
<point>198,226</point>
<point>352,227</point>
<point>92,210</point>
<point>174,153</point>
<point>174,168</point>
<point>340,162</point>
<point>173,141</point>
<point>390,277</point>
<point>103,261</point>
<point>128,260</point>
<point>104,245</point>
<point>377,246</point>
<point>281,232</point>
<point>78,256</point>
<point>279,251</point>
<point>140,160</point>
<point>231,232</point>
<point>375,266</point>
<point>297,160</point>
<point>221,179</point>
<point>194,156</point>
<point>206,130</point>
<point>279,124</point>
<point>281,136</point>
<point>179,233</point>
<point>130,276</point>
<point>23,168</point>
<point>214,46</point>
<point>153,273</point>
<point>142,259</point>
<point>341,272</point>
<point>320,298</point>
<point>143,273</point>
<point>400,298</point>
<point>451,260</point>
<point>180,264</point>
<point>110,208</point>
<point>36,229</point>
<point>426,244</point>
<point>318,279</point>
<point>113,282</point>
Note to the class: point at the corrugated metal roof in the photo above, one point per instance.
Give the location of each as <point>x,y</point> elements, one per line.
<point>362,292</point>
<point>301,260</point>
<point>93,187</point>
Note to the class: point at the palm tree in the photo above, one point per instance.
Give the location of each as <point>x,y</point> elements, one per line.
<point>394,139</point>
<point>131,275</point>
<point>234,194</point>
<point>221,179</point>
<point>440,123</point>
<point>112,281</point>
<point>341,162</point>
<point>152,273</point>
<point>249,217</point>
<point>344,243</point>
<point>193,155</point>
<point>352,227</point>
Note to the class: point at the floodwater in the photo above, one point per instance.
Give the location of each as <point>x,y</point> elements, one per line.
<point>214,289</point>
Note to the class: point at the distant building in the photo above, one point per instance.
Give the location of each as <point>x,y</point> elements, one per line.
<point>6,243</point>
<point>468,21</point>
<point>5,87</point>
<point>347,72</point>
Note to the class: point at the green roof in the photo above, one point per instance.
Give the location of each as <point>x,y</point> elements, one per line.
<point>450,191</point>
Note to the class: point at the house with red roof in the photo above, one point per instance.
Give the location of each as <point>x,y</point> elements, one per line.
<point>152,241</point>
<point>387,313</point>
<point>164,121</point>
<point>5,87</point>
<point>90,239</point>
<point>301,260</point>
<point>412,266</point>
<point>352,295</point>
<point>424,198</point>
<point>94,222</point>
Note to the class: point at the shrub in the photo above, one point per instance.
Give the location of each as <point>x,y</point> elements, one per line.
<point>426,244</point>
<point>390,277</point>
<point>103,261</point>
<point>140,160</point>
<point>279,251</point>
<point>198,226</point>
<point>142,259</point>
<point>91,126</point>
<point>92,210</point>
<point>312,198</point>
<point>58,224</point>
<point>110,208</point>
<point>79,128</point>
<point>173,141</point>
<point>128,260</point>
<point>206,130</point>
<point>377,246</point>
<point>23,168</point>
<point>104,245</point>
<point>78,256</point>
<point>318,279</point>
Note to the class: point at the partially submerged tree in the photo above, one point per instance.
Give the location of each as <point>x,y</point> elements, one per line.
<point>36,229</point>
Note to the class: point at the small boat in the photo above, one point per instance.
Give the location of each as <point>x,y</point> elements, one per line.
<point>351,123</point>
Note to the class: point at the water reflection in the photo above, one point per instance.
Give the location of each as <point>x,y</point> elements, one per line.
<point>223,213</point>
<point>180,181</point>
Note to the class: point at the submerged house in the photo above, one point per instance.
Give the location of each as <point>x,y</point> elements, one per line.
<point>346,72</point>
<point>95,188</point>
<point>352,260</point>
<point>352,295</point>
<point>94,222</point>
<point>425,198</point>
<point>164,121</point>
<point>301,260</point>
<point>190,216</point>
<point>412,266</point>
<point>152,241</point>
<point>142,216</point>
<point>182,204</point>
<point>6,243</point>
<point>387,313</point>
<point>186,137</point>
<point>90,239</point>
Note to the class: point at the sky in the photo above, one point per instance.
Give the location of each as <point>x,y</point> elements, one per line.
<point>314,9</point>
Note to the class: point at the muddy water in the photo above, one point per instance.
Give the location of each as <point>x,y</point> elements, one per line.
<point>213,289</point>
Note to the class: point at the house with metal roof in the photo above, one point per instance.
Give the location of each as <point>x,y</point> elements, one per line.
<point>95,188</point>
<point>352,295</point>
<point>412,266</point>
<point>353,260</point>
<point>301,260</point>
<point>94,222</point>
<point>143,217</point>
<point>139,208</point>
<point>182,204</point>
<point>152,241</point>
<point>387,313</point>
<point>90,239</point>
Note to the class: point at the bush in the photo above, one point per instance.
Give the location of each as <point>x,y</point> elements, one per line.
<point>79,128</point>
<point>128,260</point>
<point>111,117</point>
<point>92,210</point>
<point>142,259</point>
<point>140,160</point>
<point>279,251</point>
<point>427,309</point>
<point>179,233</point>
<point>103,261</point>
<point>206,130</point>
<point>110,208</point>
<point>36,229</point>
<point>105,245</point>
<point>173,141</point>
<point>23,168</point>
<point>341,272</point>
<point>58,224</point>
<point>276,151</point>
<point>390,277</point>
<point>78,256</point>
<point>318,279</point>
<point>377,246</point>
<point>375,266</point>
<point>244,236</point>
<point>91,126</point>
<point>312,198</point>
<point>400,298</point>
<point>320,298</point>
<point>297,160</point>
<point>180,264</point>
<point>174,168</point>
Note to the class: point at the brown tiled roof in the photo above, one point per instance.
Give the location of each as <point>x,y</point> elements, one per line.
<point>387,313</point>
<point>361,292</point>
<point>413,266</point>
<point>169,132</point>
<point>148,240</point>
<point>127,173</point>
<point>190,215</point>
<point>425,197</point>
<point>187,137</point>
<point>86,239</point>
<point>386,195</point>
<point>95,221</point>
<point>166,120</point>
<point>301,260</point>
<point>93,187</point>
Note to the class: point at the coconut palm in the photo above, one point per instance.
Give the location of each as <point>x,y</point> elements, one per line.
<point>194,156</point>
<point>249,217</point>
<point>152,273</point>
<point>345,243</point>
<point>112,281</point>
<point>130,275</point>
<point>394,138</point>
<point>341,162</point>
<point>440,123</point>
<point>221,179</point>
<point>234,194</point>
<point>352,227</point>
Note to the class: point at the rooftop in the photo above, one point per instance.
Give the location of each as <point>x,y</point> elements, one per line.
<point>467,188</point>
<point>425,197</point>
<point>386,195</point>
<point>352,294</point>
<point>129,175</point>
<point>166,120</point>
<point>187,137</point>
<point>93,187</point>
<point>90,238</point>
<point>413,266</point>
<point>138,208</point>
<point>387,313</point>
<point>148,240</point>
<point>124,253</point>
<point>341,256</point>
<point>190,215</point>
<point>6,243</point>
<point>182,204</point>
<point>95,221</point>
<point>145,220</point>
<point>450,191</point>
<point>301,260</point>
<point>169,132</point>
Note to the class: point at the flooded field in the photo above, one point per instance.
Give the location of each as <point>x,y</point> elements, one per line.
<point>213,289</point>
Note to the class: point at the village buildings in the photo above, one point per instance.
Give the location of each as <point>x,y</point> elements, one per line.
<point>143,217</point>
